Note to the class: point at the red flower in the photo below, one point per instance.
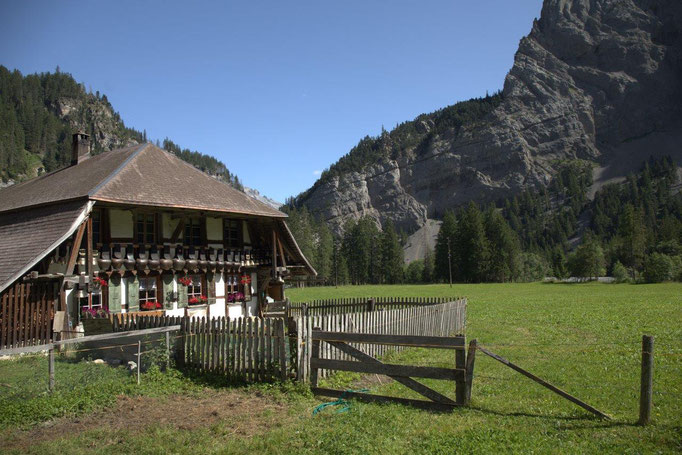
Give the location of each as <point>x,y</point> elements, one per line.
<point>101,281</point>
<point>185,281</point>
<point>151,305</point>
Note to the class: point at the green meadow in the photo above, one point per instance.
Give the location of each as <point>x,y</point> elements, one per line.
<point>583,338</point>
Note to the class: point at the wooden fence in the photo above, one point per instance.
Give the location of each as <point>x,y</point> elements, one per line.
<point>357,305</point>
<point>462,374</point>
<point>246,349</point>
<point>26,313</point>
<point>443,319</point>
<point>137,321</point>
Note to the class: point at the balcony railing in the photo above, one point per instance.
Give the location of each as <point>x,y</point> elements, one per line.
<point>122,257</point>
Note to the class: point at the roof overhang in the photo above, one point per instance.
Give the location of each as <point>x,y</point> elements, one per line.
<point>68,226</point>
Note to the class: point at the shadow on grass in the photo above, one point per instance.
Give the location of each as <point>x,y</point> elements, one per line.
<point>594,421</point>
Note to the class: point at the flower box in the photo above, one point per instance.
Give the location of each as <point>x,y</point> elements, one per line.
<point>201,300</point>
<point>96,326</point>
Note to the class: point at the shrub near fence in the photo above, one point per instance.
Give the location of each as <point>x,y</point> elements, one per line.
<point>443,319</point>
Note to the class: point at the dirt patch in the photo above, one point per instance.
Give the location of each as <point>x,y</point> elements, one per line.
<point>246,413</point>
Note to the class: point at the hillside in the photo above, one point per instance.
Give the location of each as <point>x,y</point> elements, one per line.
<point>40,112</point>
<point>594,80</point>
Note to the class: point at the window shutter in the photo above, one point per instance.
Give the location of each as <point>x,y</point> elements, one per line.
<point>167,290</point>
<point>182,295</point>
<point>115,293</point>
<point>133,293</point>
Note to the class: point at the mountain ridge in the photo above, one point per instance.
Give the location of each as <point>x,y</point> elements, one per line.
<point>590,78</point>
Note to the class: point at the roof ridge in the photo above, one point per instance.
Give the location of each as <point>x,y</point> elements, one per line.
<point>120,167</point>
<point>235,190</point>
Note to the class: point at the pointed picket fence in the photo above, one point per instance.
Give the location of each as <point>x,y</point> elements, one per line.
<point>242,349</point>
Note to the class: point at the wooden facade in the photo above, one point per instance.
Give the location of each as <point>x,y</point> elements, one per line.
<point>26,314</point>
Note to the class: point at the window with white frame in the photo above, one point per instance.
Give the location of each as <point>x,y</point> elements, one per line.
<point>148,293</point>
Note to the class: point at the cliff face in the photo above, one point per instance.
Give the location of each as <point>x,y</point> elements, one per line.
<point>591,79</point>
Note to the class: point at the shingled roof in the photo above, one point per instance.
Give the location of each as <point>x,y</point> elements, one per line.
<point>28,236</point>
<point>39,214</point>
<point>139,175</point>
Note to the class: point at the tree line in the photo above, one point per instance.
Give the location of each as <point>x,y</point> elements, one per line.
<point>36,129</point>
<point>630,230</point>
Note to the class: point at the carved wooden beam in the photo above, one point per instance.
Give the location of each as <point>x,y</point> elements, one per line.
<point>74,249</point>
<point>178,230</point>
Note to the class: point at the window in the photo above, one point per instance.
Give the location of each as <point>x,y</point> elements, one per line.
<point>146,228</point>
<point>148,294</point>
<point>232,233</point>
<point>193,232</point>
<point>234,288</point>
<point>195,291</point>
<point>96,227</point>
<point>94,304</point>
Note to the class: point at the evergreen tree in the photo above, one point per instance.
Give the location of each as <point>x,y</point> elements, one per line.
<point>471,248</point>
<point>391,255</point>
<point>428,273</point>
<point>447,233</point>
<point>504,248</point>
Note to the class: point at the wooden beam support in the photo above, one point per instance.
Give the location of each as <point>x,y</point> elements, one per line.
<point>386,369</point>
<point>74,249</point>
<point>274,253</point>
<point>407,382</point>
<point>546,384</point>
<point>178,230</point>
<point>400,340</point>
<point>281,252</point>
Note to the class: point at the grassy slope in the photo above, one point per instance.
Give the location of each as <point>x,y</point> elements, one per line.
<point>584,338</point>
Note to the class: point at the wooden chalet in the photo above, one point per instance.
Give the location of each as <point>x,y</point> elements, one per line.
<point>135,230</point>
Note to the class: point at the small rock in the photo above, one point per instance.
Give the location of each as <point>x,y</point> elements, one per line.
<point>98,361</point>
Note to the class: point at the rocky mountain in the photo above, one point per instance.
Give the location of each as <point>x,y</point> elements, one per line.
<point>596,80</point>
<point>254,193</point>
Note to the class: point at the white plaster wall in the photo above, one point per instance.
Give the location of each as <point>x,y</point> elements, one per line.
<point>214,229</point>
<point>168,225</point>
<point>252,305</point>
<point>235,310</point>
<point>220,285</point>
<point>121,222</point>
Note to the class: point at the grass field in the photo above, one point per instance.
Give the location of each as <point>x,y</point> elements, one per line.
<point>583,338</point>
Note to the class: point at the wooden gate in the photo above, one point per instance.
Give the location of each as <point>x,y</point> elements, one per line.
<point>26,313</point>
<point>461,375</point>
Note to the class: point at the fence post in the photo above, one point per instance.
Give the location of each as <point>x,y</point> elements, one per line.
<point>139,360</point>
<point>460,384</point>
<point>50,369</point>
<point>315,355</point>
<point>471,358</point>
<point>647,380</point>
<point>180,343</point>
<point>370,305</point>
<point>167,350</point>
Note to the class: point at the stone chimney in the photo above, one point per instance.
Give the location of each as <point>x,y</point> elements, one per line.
<point>80,148</point>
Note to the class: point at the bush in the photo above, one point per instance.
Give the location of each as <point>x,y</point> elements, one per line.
<point>533,267</point>
<point>414,271</point>
<point>658,268</point>
<point>620,273</point>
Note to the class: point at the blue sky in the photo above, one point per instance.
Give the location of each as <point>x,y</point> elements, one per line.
<point>276,90</point>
